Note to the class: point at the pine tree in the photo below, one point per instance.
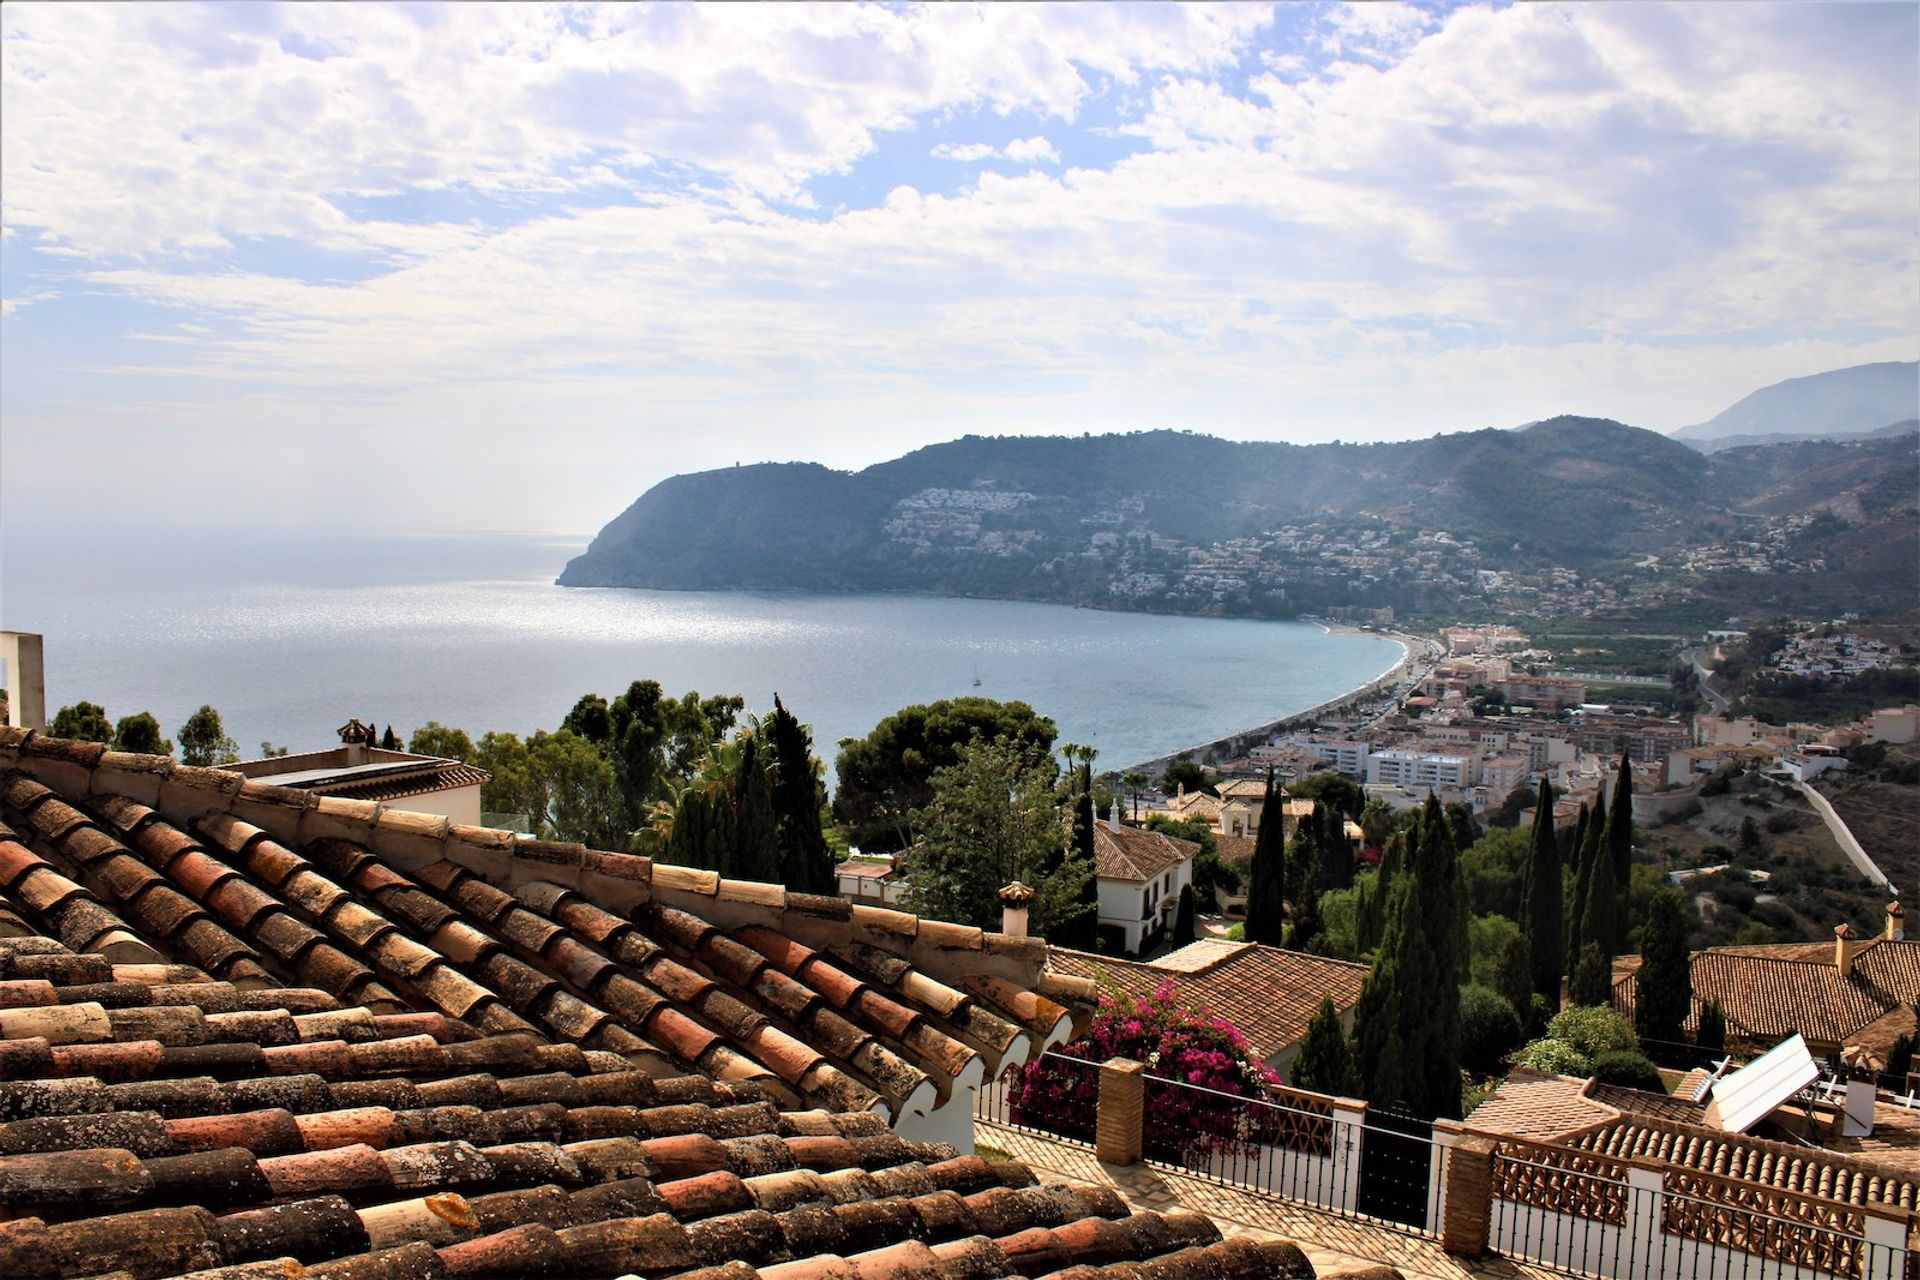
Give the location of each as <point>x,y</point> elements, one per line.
<point>1542,899</point>
<point>1407,1024</point>
<point>1620,847</point>
<point>1666,970</point>
<point>1267,892</point>
<point>1325,1061</point>
<point>806,863</point>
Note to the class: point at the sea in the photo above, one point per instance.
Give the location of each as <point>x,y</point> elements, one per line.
<point>289,637</point>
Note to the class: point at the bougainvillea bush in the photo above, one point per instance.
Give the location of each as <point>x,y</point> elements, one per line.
<point>1179,1046</point>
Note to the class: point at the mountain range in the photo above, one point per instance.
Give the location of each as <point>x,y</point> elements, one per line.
<point>1863,400</point>
<point>1135,520</point>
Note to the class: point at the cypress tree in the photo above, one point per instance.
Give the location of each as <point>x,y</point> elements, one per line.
<point>1592,978</point>
<point>756,853</point>
<point>1082,932</point>
<point>1407,1025</point>
<point>1620,847</point>
<point>1325,1061</point>
<point>1712,1031</point>
<point>1267,892</point>
<point>1183,917</point>
<point>1542,899</point>
<point>1666,970</point>
<point>1577,890</point>
<point>1601,922</point>
<point>806,863</point>
<point>1336,854</point>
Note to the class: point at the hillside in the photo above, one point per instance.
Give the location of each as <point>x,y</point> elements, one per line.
<point>1840,402</point>
<point>1549,518</point>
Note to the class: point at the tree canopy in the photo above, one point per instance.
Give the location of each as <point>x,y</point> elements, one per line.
<point>887,776</point>
<point>204,740</point>
<point>436,739</point>
<point>140,734</point>
<point>1543,898</point>
<point>1666,969</point>
<point>85,721</point>
<point>992,819</point>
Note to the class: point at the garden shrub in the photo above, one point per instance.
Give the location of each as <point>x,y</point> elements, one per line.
<point>1177,1045</point>
<point>1628,1067</point>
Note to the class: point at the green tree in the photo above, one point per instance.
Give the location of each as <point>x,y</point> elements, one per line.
<point>390,741</point>
<point>1712,1031</point>
<point>799,797</point>
<point>756,851</point>
<point>1599,925</point>
<point>1513,976</point>
<point>1185,774</point>
<point>1748,844</point>
<point>1339,793</point>
<point>1574,859</point>
<point>1592,978</point>
<point>1543,898</point>
<point>1134,781</point>
<point>1620,848</point>
<point>1267,889</point>
<point>1325,1061</point>
<point>204,740</point>
<point>436,739</point>
<point>1183,917</point>
<point>1080,929</point>
<point>1407,1024</point>
<point>1377,822</point>
<point>139,733</point>
<point>888,775</point>
<point>992,820</point>
<point>1489,1029</point>
<point>1666,969</point>
<point>579,798</point>
<point>83,722</point>
<point>1495,868</point>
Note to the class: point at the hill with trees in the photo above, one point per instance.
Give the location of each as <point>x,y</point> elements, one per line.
<point>1123,520</point>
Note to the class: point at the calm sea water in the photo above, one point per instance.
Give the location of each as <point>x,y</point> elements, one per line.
<point>289,638</point>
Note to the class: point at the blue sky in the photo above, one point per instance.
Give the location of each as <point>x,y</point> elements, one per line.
<point>506,266</point>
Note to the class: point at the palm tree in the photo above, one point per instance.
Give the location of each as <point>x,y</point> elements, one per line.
<point>1133,782</point>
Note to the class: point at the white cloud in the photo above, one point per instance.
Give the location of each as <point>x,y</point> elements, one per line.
<point>593,226</point>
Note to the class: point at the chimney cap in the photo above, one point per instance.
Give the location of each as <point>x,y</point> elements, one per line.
<point>1016,894</point>
<point>1844,930</point>
<point>353,731</point>
<point>1895,909</point>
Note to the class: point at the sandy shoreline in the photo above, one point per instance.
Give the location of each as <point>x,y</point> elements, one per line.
<point>1236,743</point>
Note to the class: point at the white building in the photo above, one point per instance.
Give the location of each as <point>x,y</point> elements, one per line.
<point>359,770</point>
<point>1401,768</point>
<point>1140,875</point>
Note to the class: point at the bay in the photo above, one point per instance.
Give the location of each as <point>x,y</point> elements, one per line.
<point>289,637</point>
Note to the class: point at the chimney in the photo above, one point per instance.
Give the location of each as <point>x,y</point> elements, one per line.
<point>1113,816</point>
<point>1014,900</point>
<point>26,679</point>
<point>1896,928</point>
<point>358,738</point>
<point>1844,945</point>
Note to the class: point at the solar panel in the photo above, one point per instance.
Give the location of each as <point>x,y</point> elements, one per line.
<point>1751,1094</point>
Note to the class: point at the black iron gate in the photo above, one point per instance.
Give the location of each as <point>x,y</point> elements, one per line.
<point>1396,1167</point>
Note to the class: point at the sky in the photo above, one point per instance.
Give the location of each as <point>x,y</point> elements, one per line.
<point>464,267</point>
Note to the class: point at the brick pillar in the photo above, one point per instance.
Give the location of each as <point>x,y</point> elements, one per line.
<point>1123,1092</point>
<point>1468,1205</point>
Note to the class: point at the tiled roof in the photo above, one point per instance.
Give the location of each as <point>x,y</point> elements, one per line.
<point>445,777</point>
<point>866,870</point>
<point>246,1027</point>
<point>1771,991</point>
<point>1269,993</point>
<point>1133,853</point>
<point>1539,1107</point>
<point>1195,805</point>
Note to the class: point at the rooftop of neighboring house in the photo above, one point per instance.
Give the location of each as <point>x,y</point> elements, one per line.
<point>362,771</point>
<point>1269,993</point>
<point>1772,990</point>
<point>1563,1119</point>
<point>867,869</point>
<point>1136,854</point>
<point>245,1025</point>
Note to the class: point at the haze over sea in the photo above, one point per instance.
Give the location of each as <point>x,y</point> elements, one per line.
<point>290,637</point>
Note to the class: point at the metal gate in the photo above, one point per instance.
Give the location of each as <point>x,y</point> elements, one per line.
<point>1396,1168</point>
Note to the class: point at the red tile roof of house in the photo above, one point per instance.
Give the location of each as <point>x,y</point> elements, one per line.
<point>1771,991</point>
<point>244,1026</point>
<point>1134,853</point>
